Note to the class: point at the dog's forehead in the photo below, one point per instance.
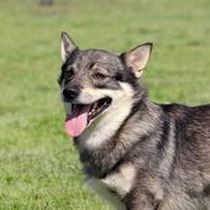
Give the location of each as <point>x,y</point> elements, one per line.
<point>100,57</point>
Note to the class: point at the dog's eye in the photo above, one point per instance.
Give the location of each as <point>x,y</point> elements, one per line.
<point>99,75</point>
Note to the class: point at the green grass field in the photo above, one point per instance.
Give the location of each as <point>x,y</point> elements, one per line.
<point>39,167</point>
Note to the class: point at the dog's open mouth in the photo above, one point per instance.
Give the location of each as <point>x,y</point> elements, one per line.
<point>83,114</point>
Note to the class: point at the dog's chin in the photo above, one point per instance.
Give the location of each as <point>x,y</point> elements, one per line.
<point>82,115</point>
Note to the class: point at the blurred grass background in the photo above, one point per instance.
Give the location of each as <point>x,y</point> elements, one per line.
<point>39,167</point>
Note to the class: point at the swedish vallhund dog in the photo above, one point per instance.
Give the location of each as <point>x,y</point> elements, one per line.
<point>136,154</point>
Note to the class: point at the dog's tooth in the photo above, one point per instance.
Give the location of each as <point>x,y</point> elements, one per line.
<point>95,105</point>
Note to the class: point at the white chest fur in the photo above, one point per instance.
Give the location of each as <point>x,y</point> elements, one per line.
<point>120,181</point>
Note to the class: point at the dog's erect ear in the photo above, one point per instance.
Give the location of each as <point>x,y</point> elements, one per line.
<point>137,58</point>
<point>67,46</point>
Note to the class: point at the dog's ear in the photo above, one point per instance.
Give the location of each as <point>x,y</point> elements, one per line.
<point>137,58</point>
<point>67,46</point>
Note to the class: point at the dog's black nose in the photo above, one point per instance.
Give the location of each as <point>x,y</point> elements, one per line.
<point>70,93</point>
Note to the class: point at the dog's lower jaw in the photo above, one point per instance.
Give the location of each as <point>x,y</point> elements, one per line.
<point>104,127</point>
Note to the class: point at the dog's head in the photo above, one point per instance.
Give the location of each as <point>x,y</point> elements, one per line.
<point>95,81</point>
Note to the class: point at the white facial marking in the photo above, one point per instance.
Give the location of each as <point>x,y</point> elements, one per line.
<point>106,125</point>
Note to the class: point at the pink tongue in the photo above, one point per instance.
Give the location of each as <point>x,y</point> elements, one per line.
<point>77,120</point>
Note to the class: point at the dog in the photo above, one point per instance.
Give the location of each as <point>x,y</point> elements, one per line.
<point>136,154</point>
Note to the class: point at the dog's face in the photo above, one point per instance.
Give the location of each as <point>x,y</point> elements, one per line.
<point>94,81</point>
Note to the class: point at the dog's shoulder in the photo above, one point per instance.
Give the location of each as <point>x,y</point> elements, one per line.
<point>180,111</point>
<point>175,109</point>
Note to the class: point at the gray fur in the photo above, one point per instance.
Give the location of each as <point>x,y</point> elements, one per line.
<point>160,152</point>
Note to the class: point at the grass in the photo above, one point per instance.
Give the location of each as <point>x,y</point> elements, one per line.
<point>39,167</point>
